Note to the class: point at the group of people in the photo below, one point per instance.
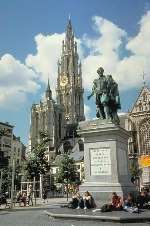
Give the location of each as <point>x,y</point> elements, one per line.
<point>84,202</point>
<point>27,198</point>
<point>24,198</point>
<point>130,203</point>
<point>141,201</point>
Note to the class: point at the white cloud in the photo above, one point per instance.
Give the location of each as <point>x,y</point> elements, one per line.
<point>139,45</point>
<point>106,48</point>
<point>46,58</point>
<point>16,80</point>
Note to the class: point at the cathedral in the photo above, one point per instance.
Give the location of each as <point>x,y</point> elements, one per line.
<point>59,119</point>
<point>139,126</point>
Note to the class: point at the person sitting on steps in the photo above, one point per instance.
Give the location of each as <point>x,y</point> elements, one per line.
<point>116,202</point>
<point>88,201</point>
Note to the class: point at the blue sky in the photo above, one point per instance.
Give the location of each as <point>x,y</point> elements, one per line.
<point>113,34</point>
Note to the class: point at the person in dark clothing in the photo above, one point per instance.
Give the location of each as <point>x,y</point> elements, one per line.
<point>129,200</point>
<point>24,199</point>
<point>88,201</point>
<point>76,202</point>
<point>142,200</point>
<point>129,204</point>
<point>3,199</point>
<point>44,196</point>
<point>19,197</point>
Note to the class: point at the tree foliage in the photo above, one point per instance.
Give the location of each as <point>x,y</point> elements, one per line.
<point>67,170</point>
<point>4,160</point>
<point>135,171</point>
<point>37,163</point>
<point>7,177</point>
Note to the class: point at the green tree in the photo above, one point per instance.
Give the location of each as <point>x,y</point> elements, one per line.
<point>37,162</point>
<point>67,173</point>
<point>67,170</point>
<point>134,169</point>
<point>7,175</point>
<point>6,179</point>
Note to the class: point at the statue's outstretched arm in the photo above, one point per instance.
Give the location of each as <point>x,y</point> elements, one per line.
<point>93,91</point>
<point>90,95</point>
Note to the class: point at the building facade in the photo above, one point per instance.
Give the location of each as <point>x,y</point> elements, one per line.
<point>11,146</point>
<point>6,140</point>
<point>139,126</point>
<point>18,150</point>
<point>60,119</point>
<point>47,116</point>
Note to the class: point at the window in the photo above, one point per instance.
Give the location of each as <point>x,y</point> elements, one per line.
<point>144,97</point>
<point>145,137</point>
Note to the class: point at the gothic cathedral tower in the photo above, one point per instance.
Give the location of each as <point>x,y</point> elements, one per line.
<point>69,82</point>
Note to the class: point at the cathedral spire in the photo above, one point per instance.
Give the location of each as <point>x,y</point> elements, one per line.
<point>69,40</point>
<point>48,93</point>
<point>69,26</point>
<point>69,82</point>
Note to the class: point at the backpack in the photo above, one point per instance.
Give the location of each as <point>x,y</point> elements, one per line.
<point>106,208</point>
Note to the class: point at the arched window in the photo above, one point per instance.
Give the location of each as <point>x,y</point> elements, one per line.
<point>145,137</point>
<point>144,97</point>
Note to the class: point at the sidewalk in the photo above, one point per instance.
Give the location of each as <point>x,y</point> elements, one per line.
<point>51,201</point>
<point>39,204</point>
<point>114,216</point>
<point>52,208</point>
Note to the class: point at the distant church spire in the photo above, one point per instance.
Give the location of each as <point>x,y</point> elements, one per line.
<point>48,91</point>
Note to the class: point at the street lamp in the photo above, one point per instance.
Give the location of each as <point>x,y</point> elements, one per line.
<point>12,182</point>
<point>1,179</point>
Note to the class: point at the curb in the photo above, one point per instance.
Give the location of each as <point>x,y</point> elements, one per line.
<point>99,218</point>
<point>27,208</point>
<point>24,209</point>
<point>38,206</point>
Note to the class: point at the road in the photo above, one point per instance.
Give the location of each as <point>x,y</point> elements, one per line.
<point>39,218</point>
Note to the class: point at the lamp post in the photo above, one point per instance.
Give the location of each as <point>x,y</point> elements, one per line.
<point>41,186</point>
<point>1,179</point>
<point>12,182</point>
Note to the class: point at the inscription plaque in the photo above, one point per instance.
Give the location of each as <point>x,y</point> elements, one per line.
<point>100,161</point>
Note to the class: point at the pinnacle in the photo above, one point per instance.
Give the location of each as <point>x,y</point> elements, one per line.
<point>48,91</point>
<point>48,86</point>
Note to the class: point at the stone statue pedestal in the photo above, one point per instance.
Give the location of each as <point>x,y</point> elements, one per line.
<point>105,159</point>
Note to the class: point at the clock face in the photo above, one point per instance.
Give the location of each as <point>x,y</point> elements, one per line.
<point>64,80</point>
